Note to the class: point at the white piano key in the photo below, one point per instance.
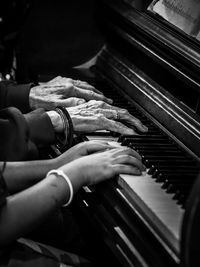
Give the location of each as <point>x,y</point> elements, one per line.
<point>160,210</point>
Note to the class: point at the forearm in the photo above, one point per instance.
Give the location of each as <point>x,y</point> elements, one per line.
<point>21,135</point>
<point>27,209</point>
<point>21,175</point>
<point>41,127</point>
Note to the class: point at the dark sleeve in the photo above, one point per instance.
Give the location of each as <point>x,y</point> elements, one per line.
<point>40,127</point>
<point>21,135</point>
<point>13,95</point>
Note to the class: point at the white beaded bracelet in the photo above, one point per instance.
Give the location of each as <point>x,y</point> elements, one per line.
<point>62,174</point>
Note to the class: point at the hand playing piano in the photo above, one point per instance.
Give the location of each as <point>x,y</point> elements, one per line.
<point>84,149</point>
<point>65,92</point>
<point>98,115</point>
<point>92,169</point>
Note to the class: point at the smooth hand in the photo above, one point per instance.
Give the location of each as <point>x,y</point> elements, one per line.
<point>98,115</point>
<point>63,92</point>
<point>92,169</point>
<point>80,150</point>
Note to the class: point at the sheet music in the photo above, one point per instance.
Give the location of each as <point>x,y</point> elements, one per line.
<point>185,14</point>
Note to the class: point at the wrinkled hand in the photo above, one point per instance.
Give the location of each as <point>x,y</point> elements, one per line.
<point>63,92</point>
<point>92,169</point>
<point>98,115</point>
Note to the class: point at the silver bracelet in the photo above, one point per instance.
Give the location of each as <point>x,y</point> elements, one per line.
<point>63,175</point>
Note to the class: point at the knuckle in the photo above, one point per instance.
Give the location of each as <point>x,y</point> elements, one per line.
<point>70,86</point>
<point>69,80</point>
<point>73,91</point>
<point>100,116</point>
<point>92,102</point>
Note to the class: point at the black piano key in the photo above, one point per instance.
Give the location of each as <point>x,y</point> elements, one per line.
<point>139,140</point>
<point>172,179</point>
<point>148,137</point>
<point>151,148</point>
<point>152,131</point>
<point>174,169</point>
<point>115,134</point>
<point>169,159</point>
<point>167,162</point>
<point>161,177</point>
<point>183,188</point>
<point>173,175</point>
<point>100,133</point>
<point>160,153</point>
<point>153,163</point>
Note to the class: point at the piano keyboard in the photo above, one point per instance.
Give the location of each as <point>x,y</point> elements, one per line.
<point>161,192</point>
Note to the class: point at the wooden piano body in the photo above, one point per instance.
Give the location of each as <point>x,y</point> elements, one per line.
<point>152,69</point>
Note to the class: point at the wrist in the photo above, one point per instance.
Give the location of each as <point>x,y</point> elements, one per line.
<point>58,189</point>
<point>56,121</point>
<point>76,177</point>
<point>32,101</point>
<point>58,162</point>
<point>61,175</point>
<point>53,164</point>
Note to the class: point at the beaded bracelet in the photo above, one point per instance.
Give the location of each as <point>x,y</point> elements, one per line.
<point>70,127</point>
<point>63,175</point>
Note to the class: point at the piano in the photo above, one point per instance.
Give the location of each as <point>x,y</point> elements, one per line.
<point>151,68</point>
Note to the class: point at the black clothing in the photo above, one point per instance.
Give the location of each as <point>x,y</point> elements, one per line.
<point>20,135</point>
<point>56,36</point>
